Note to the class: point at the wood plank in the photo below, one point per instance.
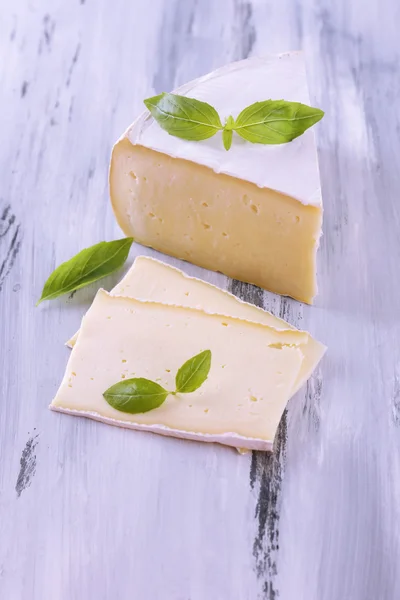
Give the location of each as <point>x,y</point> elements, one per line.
<point>89,510</point>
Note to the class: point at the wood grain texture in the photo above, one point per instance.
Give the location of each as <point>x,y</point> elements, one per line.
<point>92,511</point>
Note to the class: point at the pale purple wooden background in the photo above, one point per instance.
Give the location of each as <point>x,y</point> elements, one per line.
<point>89,511</point>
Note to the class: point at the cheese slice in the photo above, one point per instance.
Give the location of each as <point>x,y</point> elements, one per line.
<point>253,370</point>
<point>254,212</point>
<point>150,279</point>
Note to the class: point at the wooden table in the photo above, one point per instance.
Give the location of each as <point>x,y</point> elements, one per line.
<point>91,511</point>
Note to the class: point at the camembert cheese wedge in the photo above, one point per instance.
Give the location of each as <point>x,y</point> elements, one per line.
<point>253,213</point>
<point>253,370</point>
<point>150,279</point>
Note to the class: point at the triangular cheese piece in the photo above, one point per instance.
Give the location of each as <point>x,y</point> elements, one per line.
<point>254,212</point>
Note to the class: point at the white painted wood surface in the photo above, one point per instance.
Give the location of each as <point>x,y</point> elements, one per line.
<point>90,511</point>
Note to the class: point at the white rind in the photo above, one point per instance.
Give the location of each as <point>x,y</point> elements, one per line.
<point>227,439</point>
<point>290,169</point>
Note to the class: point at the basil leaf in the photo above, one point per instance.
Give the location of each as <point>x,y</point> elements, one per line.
<point>136,395</point>
<point>184,117</point>
<point>87,266</point>
<point>193,372</point>
<point>227,138</point>
<point>227,132</point>
<point>275,121</point>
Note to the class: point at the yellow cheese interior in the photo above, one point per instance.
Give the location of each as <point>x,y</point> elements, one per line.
<point>252,374</point>
<point>150,279</point>
<point>216,221</point>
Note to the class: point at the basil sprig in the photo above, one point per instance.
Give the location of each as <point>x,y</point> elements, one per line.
<point>87,266</point>
<point>267,122</point>
<point>139,395</point>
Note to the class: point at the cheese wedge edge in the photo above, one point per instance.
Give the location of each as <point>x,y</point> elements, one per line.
<point>215,221</point>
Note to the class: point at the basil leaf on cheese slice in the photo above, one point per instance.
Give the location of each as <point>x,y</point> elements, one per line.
<point>275,121</point>
<point>138,395</point>
<point>193,373</point>
<point>89,265</point>
<point>182,117</point>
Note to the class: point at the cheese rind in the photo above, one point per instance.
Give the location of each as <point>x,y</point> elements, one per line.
<point>291,169</point>
<point>242,444</point>
<point>253,213</point>
<point>151,279</point>
<point>252,374</point>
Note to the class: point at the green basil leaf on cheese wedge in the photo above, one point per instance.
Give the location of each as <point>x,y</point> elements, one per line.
<point>275,121</point>
<point>193,373</point>
<point>266,122</point>
<point>87,266</point>
<point>227,132</point>
<point>183,117</point>
<point>227,138</point>
<point>136,395</point>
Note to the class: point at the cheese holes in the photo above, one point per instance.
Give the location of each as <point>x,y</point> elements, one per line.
<point>224,324</point>
<point>224,234</point>
<point>151,215</point>
<point>205,204</point>
<point>246,201</point>
<point>132,174</point>
<point>206,226</point>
